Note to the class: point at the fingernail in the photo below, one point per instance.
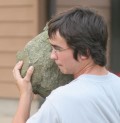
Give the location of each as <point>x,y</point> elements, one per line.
<point>20,62</point>
<point>31,68</point>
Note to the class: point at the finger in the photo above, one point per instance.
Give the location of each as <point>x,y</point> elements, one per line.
<point>16,70</point>
<point>19,65</point>
<point>29,73</point>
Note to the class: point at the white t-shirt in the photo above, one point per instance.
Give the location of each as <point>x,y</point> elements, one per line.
<point>87,99</point>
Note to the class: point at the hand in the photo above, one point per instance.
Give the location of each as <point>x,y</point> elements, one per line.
<point>24,84</point>
<point>26,94</point>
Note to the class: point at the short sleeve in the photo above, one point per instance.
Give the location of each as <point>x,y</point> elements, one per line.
<point>46,114</point>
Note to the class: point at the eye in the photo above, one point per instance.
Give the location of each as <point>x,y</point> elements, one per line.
<point>56,48</point>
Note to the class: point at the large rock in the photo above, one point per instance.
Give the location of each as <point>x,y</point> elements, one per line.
<point>46,76</point>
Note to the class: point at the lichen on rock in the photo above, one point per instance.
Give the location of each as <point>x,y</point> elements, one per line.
<point>47,75</point>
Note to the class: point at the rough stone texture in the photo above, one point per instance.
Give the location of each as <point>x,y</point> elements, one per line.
<point>46,76</point>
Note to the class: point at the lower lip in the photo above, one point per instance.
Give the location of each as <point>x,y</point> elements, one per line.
<point>59,66</point>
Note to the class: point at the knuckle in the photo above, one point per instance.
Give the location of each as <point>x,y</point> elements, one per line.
<point>29,72</point>
<point>26,79</point>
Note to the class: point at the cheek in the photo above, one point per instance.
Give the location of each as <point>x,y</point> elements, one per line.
<point>62,58</point>
<point>66,59</point>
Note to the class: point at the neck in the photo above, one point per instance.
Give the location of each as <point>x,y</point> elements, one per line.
<point>91,69</point>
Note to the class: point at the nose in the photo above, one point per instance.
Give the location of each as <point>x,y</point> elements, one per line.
<point>53,55</point>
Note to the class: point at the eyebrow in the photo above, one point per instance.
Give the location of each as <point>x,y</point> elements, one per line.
<point>55,46</point>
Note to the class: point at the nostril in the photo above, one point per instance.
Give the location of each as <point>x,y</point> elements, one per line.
<point>53,55</point>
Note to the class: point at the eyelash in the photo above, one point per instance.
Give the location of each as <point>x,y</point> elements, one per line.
<point>56,48</point>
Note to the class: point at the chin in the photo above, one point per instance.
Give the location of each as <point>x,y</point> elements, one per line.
<point>64,71</point>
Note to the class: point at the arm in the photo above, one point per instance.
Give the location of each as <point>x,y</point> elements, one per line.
<point>26,95</point>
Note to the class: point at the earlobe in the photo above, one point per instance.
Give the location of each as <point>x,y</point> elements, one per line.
<point>81,57</point>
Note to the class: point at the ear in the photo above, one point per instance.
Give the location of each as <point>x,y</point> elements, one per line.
<point>81,57</point>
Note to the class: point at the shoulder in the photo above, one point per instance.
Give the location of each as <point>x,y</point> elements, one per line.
<point>76,88</point>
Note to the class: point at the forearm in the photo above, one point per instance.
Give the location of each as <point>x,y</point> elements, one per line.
<point>23,110</point>
<point>26,94</point>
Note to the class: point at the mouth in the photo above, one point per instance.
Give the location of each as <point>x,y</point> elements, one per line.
<point>59,66</point>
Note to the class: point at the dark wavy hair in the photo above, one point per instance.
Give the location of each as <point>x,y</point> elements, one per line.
<point>85,32</point>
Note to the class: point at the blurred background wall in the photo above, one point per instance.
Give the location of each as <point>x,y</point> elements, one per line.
<point>115,37</point>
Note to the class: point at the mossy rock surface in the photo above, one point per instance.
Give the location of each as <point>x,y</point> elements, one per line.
<point>47,75</point>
